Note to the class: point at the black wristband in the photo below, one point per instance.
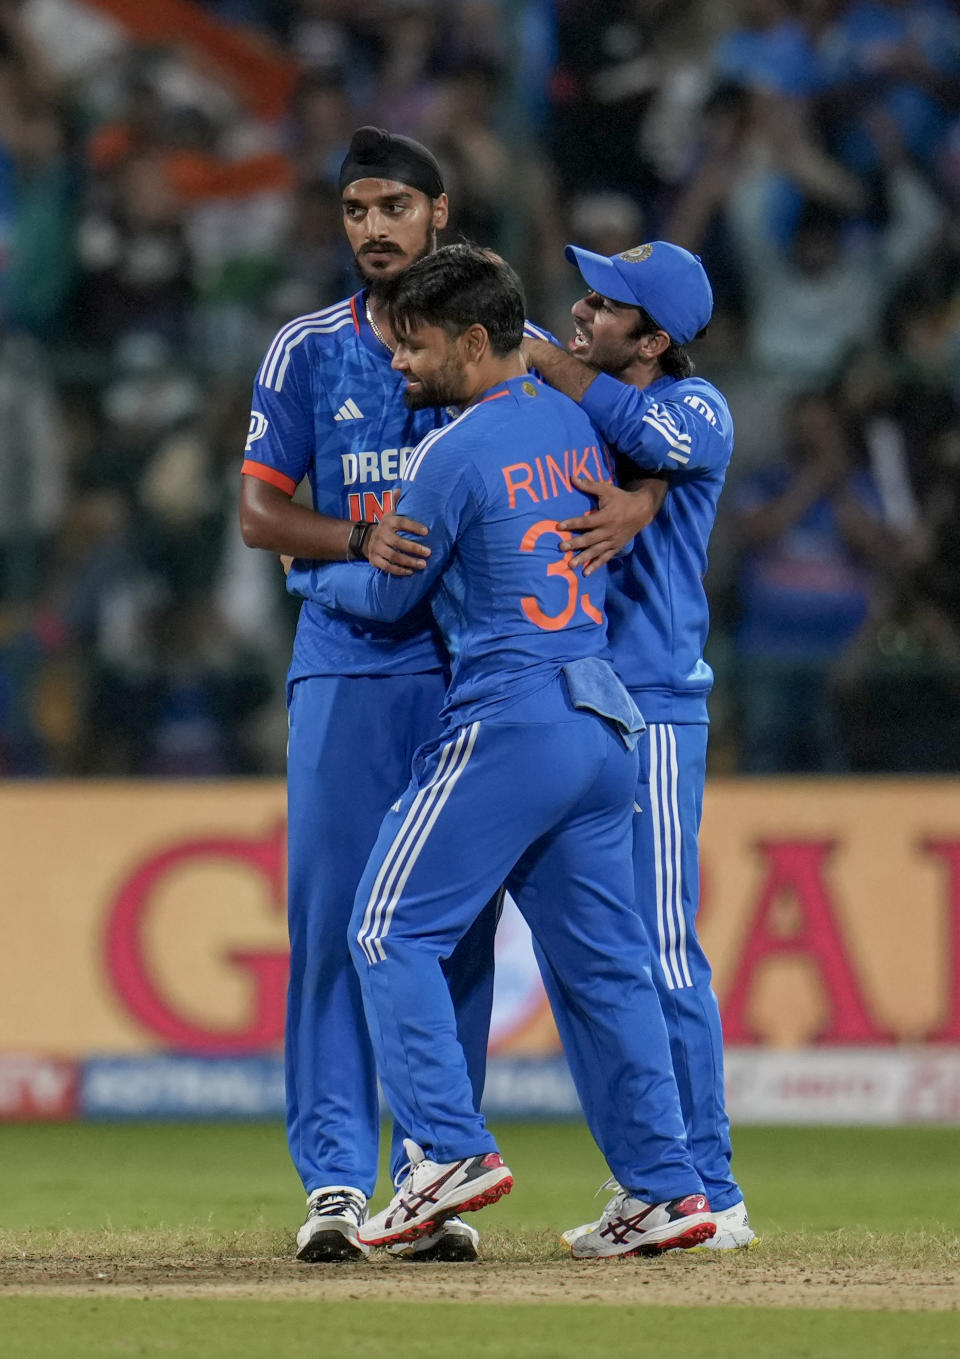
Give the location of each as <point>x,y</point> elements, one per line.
<point>357,540</point>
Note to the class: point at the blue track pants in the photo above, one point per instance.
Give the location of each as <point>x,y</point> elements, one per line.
<point>673,762</point>
<point>539,797</point>
<point>352,740</point>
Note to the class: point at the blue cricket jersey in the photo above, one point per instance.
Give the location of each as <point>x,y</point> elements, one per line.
<point>492,486</point>
<point>328,406</point>
<point>656,604</point>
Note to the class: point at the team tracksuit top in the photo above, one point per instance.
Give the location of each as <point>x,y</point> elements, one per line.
<point>656,605</point>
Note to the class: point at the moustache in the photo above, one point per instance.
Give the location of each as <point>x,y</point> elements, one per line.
<point>380,248</point>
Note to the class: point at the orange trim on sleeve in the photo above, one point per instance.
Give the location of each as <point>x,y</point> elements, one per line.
<point>262,472</point>
<point>353,312</point>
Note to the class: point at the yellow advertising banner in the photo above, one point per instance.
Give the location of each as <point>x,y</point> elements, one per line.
<point>151,917</point>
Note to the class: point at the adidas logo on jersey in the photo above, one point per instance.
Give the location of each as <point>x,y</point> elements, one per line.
<point>349,411</point>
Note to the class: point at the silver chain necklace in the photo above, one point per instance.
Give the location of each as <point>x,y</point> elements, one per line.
<point>375,328</point>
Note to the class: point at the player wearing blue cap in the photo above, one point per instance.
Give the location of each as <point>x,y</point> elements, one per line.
<point>362,696</point>
<point>632,375</point>
<point>529,783</point>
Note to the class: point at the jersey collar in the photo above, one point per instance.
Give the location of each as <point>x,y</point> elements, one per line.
<point>663,381</point>
<point>504,388</point>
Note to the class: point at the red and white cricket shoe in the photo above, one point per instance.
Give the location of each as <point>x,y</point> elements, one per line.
<point>631,1227</point>
<point>733,1228</point>
<point>432,1191</point>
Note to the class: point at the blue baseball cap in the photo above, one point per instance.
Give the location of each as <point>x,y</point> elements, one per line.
<point>667,281</point>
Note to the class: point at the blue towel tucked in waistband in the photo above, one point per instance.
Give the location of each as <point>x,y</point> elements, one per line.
<point>592,683</point>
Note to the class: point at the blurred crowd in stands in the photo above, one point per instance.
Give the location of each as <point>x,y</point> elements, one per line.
<point>168,198</point>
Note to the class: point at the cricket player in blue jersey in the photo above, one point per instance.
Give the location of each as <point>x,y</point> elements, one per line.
<point>529,783</point>
<point>630,371</point>
<point>362,696</point>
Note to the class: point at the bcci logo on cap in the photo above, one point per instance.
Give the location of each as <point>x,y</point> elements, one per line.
<point>638,254</point>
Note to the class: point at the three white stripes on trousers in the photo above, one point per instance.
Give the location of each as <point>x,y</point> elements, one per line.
<point>667,846</point>
<point>429,802</point>
<point>409,842</point>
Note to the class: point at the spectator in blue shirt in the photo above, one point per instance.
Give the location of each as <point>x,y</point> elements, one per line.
<point>810,532</point>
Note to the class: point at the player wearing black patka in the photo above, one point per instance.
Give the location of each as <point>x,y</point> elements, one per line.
<point>362,696</point>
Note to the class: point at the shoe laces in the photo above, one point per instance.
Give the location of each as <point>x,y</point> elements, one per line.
<point>415,1154</point>
<point>615,1206</point>
<point>339,1202</point>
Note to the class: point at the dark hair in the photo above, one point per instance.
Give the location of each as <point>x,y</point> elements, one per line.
<point>675,361</point>
<point>456,287</point>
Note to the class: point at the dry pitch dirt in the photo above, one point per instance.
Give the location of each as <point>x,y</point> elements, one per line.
<point>745,1280</point>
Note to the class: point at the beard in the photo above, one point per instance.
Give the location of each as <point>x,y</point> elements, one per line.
<point>445,388</point>
<point>611,359</point>
<point>432,394</point>
<point>420,399</point>
<point>378,284</point>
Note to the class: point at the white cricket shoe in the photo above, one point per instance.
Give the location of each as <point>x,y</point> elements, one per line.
<point>574,1233</point>
<point>432,1192</point>
<point>629,1226</point>
<point>733,1228</point>
<point>453,1242</point>
<point>334,1215</point>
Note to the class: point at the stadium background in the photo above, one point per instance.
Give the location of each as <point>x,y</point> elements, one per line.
<point>167,198</point>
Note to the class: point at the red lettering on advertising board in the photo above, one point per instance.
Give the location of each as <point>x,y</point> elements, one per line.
<point>129,965</point>
<point>949,851</point>
<point>795,871</point>
<point>34,1088</point>
<point>932,1093</point>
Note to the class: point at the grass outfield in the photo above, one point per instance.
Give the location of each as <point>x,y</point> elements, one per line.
<point>83,1328</point>
<point>860,1254</point>
<point>236,1178</point>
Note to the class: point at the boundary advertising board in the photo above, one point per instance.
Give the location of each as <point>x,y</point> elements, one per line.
<point>153,935</point>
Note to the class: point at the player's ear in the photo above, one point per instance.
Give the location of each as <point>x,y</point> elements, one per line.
<point>441,211</point>
<point>651,345</point>
<point>476,342</point>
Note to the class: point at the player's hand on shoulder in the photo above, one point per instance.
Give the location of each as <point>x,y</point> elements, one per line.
<point>597,536</point>
<point>534,348</point>
<point>388,549</point>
